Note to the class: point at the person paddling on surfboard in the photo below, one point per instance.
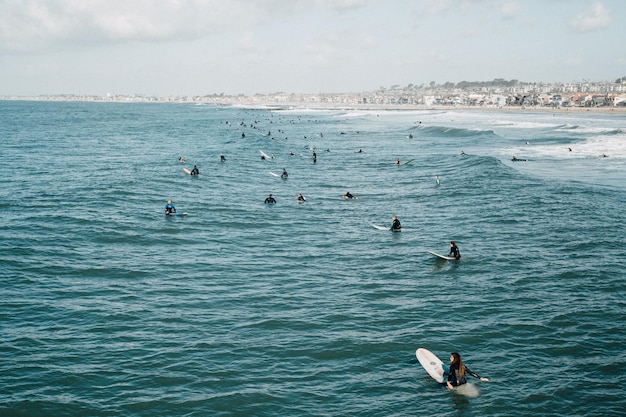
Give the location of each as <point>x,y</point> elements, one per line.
<point>456,372</point>
<point>169,208</point>
<point>348,195</point>
<point>454,251</point>
<point>395,226</point>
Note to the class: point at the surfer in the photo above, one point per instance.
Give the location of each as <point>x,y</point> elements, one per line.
<point>222,158</point>
<point>395,226</point>
<point>270,200</point>
<point>301,198</point>
<point>195,171</point>
<point>181,159</point>
<point>169,208</point>
<point>284,175</point>
<point>437,179</point>
<point>454,250</point>
<point>514,159</point>
<point>314,157</point>
<point>457,371</point>
<point>348,195</point>
<point>398,161</point>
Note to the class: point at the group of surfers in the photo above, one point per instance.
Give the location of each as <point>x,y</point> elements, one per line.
<point>455,373</point>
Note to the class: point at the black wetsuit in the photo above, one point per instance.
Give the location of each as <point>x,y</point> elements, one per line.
<point>396,227</point>
<point>270,200</point>
<point>456,380</point>
<point>195,171</point>
<point>454,251</point>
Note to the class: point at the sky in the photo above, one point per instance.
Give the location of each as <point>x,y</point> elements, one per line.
<point>203,47</point>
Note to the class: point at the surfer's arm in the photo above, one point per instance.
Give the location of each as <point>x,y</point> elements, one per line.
<point>474,374</point>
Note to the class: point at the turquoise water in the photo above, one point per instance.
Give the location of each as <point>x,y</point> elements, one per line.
<point>243,309</point>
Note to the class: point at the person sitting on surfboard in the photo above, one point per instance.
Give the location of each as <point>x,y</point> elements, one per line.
<point>270,200</point>
<point>284,175</point>
<point>395,226</point>
<point>454,251</point>
<point>195,171</point>
<point>457,371</point>
<point>169,208</point>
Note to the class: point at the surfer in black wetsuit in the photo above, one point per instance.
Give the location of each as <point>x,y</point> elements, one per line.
<point>454,250</point>
<point>457,371</point>
<point>195,171</point>
<point>514,159</point>
<point>301,198</point>
<point>284,175</point>
<point>348,195</point>
<point>222,158</point>
<point>395,226</point>
<point>270,200</point>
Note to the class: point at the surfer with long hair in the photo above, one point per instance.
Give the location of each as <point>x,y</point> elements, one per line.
<point>457,371</point>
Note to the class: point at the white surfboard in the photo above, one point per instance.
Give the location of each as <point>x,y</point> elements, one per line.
<point>431,363</point>
<point>186,171</point>
<point>448,258</point>
<point>264,155</point>
<point>380,227</point>
<point>274,174</point>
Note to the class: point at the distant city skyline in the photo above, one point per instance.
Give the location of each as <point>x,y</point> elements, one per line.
<point>198,47</point>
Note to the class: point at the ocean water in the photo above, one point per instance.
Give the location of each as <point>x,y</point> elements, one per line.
<point>243,309</point>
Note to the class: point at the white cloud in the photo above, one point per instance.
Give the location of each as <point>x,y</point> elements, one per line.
<point>32,25</point>
<point>510,9</point>
<point>595,18</point>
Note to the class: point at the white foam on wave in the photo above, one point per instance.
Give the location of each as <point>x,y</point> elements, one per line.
<point>526,125</point>
<point>595,146</point>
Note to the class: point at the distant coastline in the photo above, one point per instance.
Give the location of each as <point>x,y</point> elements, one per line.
<point>284,104</point>
<point>499,94</point>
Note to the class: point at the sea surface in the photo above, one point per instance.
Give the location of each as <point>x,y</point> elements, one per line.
<point>110,308</point>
